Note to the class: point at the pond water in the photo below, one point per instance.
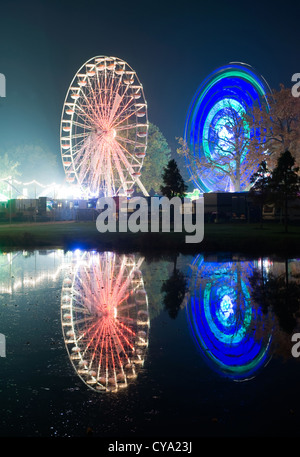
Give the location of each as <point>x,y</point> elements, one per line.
<point>114,345</point>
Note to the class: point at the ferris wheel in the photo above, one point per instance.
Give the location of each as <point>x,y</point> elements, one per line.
<point>104,128</point>
<point>217,111</point>
<point>105,319</point>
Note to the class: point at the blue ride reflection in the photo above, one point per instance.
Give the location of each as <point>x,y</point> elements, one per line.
<point>225,324</point>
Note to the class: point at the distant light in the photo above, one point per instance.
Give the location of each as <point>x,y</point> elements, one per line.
<point>3,198</point>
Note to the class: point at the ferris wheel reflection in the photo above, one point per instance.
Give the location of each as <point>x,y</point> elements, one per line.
<point>105,319</point>
<point>226,325</point>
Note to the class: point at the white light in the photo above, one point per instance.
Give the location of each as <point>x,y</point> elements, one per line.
<point>226,306</point>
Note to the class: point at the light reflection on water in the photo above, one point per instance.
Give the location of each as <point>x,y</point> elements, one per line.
<point>225,322</point>
<point>161,372</point>
<point>105,319</point>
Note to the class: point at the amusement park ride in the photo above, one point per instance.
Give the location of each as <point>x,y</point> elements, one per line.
<point>103,134</point>
<point>225,96</point>
<point>104,125</point>
<point>104,306</point>
<point>104,129</point>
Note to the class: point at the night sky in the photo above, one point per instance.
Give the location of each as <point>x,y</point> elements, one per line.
<point>172,46</point>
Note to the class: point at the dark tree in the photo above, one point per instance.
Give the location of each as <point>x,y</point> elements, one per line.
<point>278,294</point>
<point>174,289</point>
<point>173,183</point>
<point>261,187</point>
<point>285,183</point>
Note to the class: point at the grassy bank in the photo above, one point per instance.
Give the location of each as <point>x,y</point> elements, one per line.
<point>243,238</point>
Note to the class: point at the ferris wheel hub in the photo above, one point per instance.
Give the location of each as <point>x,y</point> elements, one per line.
<point>109,133</point>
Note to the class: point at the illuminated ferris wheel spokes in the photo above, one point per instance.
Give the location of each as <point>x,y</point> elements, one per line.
<point>104,128</point>
<point>104,312</point>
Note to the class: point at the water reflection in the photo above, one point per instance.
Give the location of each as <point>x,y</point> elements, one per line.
<point>25,270</point>
<point>278,291</point>
<point>105,318</point>
<point>175,291</point>
<point>225,323</point>
<point>239,312</point>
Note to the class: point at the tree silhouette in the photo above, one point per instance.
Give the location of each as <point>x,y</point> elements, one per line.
<point>285,183</point>
<point>174,289</point>
<point>173,183</point>
<point>278,294</point>
<point>260,189</point>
